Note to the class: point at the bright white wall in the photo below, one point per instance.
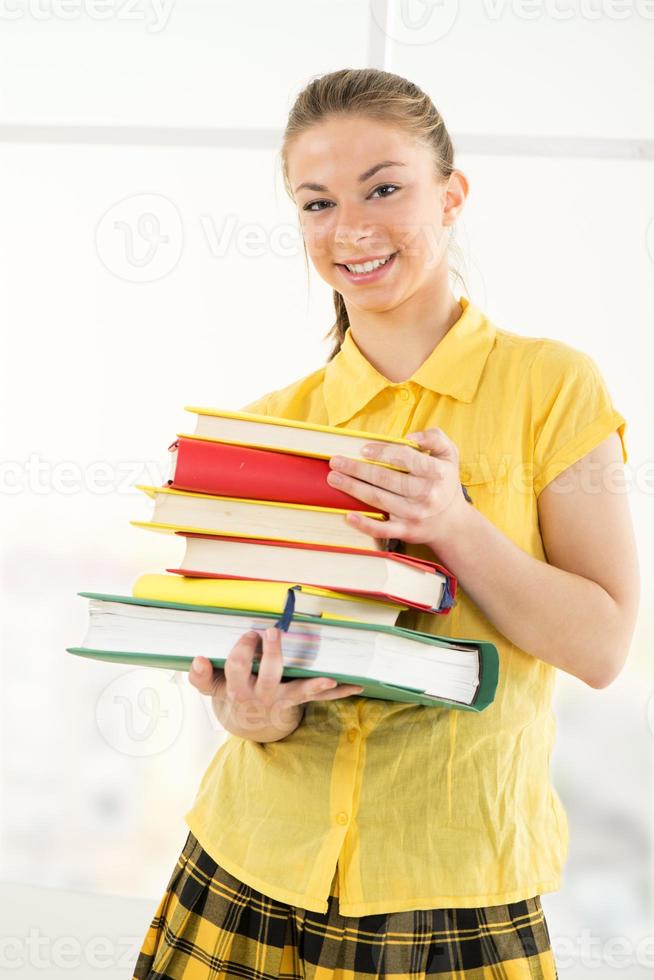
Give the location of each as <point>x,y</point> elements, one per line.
<point>576,68</point>
<point>104,346</point>
<point>170,62</point>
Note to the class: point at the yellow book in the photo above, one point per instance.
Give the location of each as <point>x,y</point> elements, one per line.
<point>182,510</point>
<point>262,595</point>
<point>289,435</point>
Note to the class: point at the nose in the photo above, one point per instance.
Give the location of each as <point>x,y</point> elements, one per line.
<point>353,221</point>
<point>347,235</point>
<point>352,229</point>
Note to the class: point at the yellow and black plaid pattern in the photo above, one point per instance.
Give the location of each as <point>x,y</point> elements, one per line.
<point>211,926</point>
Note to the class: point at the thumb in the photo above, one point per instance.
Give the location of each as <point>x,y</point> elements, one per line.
<point>436,443</point>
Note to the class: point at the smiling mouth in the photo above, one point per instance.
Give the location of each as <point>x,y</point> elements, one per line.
<point>356,268</point>
<point>369,274</point>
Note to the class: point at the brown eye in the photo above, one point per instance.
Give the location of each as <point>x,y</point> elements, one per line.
<point>309,207</point>
<point>381,187</point>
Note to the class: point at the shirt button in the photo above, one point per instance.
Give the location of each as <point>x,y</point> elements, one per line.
<point>404,394</point>
<point>341,817</point>
<point>352,734</point>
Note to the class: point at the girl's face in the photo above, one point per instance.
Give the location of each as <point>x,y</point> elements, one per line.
<point>366,190</point>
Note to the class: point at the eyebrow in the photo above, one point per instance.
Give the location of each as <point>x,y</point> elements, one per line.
<point>364,176</point>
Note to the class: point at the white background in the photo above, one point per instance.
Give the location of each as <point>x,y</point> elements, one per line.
<point>173,113</point>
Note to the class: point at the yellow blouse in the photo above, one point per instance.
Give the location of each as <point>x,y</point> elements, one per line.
<point>412,806</point>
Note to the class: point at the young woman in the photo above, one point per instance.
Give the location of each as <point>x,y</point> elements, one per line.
<point>341,836</point>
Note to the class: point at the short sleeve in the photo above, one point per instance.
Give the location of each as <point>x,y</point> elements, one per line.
<point>572,411</point>
<point>259,406</point>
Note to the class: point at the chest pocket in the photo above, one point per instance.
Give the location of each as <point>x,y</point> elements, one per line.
<point>486,479</point>
<point>482,469</point>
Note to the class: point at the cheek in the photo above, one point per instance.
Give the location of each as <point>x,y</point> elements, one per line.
<point>428,246</point>
<point>316,236</point>
<point>419,229</point>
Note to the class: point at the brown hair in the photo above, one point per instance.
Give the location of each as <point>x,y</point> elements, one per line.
<point>380,95</point>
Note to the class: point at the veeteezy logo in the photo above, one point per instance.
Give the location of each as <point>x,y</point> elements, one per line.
<point>155,14</point>
<point>140,238</point>
<point>415,22</point>
<point>568,9</point>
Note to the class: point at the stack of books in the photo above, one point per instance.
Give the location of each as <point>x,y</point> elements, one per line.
<point>267,543</point>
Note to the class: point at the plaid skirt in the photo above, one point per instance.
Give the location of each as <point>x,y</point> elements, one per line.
<point>210,926</point>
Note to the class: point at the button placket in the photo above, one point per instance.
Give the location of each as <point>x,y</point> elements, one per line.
<point>405,403</point>
<point>350,760</point>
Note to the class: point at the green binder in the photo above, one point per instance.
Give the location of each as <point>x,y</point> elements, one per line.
<point>488,655</point>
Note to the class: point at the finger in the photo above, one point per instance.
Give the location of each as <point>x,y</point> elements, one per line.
<point>319,689</point>
<point>433,443</point>
<point>204,676</point>
<point>340,691</point>
<point>271,665</point>
<point>437,443</point>
<point>391,491</point>
<point>379,530</point>
<point>377,498</point>
<point>301,691</point>
<point>239,680</point>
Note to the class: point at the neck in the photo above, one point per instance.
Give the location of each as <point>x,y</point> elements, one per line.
<point>396,342</point>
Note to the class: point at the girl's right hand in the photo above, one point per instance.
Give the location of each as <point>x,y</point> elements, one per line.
<point>237,692</point>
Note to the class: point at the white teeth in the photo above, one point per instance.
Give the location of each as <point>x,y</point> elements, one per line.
<point>368,266</point>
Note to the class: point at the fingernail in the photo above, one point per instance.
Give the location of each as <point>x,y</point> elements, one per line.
<point>271,634</point>
<point>196,665</point>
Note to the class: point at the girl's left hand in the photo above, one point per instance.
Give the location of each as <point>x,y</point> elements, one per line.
<point>425,505</point>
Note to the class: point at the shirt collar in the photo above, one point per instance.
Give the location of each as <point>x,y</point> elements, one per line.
<point>453,368</point>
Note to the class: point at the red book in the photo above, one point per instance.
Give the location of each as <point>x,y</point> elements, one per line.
<point>228,470</point>
<point>376,575</point>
